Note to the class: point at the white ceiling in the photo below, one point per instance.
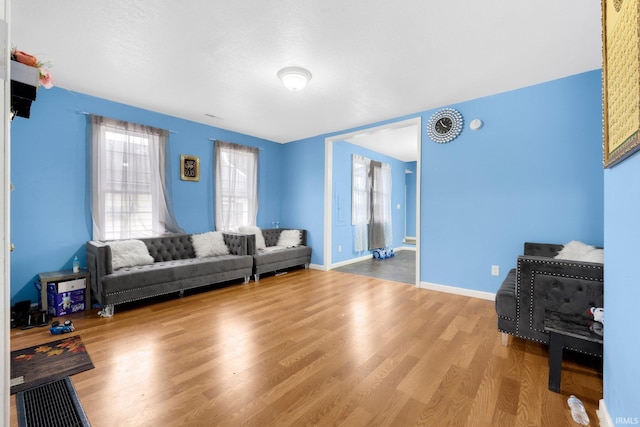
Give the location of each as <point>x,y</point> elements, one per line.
<point>398,140</point>
<point>371,60</point>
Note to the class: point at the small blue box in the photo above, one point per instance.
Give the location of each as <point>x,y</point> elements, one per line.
<point>66,302</point>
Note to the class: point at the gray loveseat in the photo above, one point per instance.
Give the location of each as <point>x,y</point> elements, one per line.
<point>540,282</point>
<point>272,258</point>
<point>175,269</point>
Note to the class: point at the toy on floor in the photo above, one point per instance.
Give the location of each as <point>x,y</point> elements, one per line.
<point>383,253</point>
<point>57,329</point>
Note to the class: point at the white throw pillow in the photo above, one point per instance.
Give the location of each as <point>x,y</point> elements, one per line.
<point>208,244</point>
<point>574,250</point>
<point>289,238</point>
<point>129,253</point>
<point>578,251</point>
<point>596,255</point>
<point>251,229</point>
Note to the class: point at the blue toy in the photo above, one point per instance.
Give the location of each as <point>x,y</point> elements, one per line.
<point>57,329</point>
<point>383,253</point>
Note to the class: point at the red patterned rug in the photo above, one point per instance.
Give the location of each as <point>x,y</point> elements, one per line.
<point>44,363</point>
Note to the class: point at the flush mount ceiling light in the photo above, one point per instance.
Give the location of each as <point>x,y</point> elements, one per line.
<point>294,78</point>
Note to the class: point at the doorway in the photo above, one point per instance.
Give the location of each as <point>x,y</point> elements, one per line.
<point>400,139</point>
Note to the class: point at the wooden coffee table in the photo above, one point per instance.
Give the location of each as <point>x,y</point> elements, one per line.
<point>563,329</point>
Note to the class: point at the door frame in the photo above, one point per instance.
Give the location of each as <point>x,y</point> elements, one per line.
<point>328,185</point>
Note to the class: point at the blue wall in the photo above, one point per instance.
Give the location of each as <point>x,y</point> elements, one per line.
<point>343,233</point>
<point>303,180</point>
<point>303,192</point>
<point>50,206</point>
<point>622,290</point>
<point>532,173</point>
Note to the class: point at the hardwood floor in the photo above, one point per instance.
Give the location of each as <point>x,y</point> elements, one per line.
<point>316,348</point>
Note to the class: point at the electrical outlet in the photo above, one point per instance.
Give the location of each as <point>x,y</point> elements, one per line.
<point>339,248</point>
<point>495,270</point>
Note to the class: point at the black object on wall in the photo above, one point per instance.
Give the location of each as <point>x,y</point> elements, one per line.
<point>24,85</point>
<point>22,95</point>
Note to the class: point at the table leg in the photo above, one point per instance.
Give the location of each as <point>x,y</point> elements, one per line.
<point>44,302</point>
<point>555,361</point>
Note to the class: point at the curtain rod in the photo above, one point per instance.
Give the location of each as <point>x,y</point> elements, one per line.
<point>89,114</point>
<point>214,140</point>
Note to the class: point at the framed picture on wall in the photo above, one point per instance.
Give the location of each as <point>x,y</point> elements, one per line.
<point>620,79</point>
<point>189,168</point>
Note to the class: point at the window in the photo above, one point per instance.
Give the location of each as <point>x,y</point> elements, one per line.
<point>370,203</point>
<point>236,169</point>
<point>128,181</point>
<point>360,201</point>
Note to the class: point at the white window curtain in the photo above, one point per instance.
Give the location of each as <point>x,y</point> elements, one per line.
<point>378,222</point>
<point>236,181</point>
<point>360,201</point>
<point>386,202</point>
<point>129,196</point>
<point>371,204</point>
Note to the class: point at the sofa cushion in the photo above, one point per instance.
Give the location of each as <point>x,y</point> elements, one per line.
<point>209,244</point>
<point>129,253</point>
<point>289,238</point>
<point>129,278</point>
<point>249,229</point>
<point>275,255</point>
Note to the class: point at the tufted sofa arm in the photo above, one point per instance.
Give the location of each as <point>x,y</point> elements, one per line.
<point>236,242</point>
<point>539,283</point>
<point>553,284</point>
<point>98,264</point>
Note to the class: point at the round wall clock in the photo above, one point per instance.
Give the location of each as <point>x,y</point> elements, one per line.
<point>444,125</point>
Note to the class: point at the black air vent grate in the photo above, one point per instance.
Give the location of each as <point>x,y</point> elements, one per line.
<point>51,405</point>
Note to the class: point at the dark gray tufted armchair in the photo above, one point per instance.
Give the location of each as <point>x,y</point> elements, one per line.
<point>541,283</point>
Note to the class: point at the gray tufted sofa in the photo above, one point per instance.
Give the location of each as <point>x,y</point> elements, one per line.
<point>541,283</point>
<point>175,269</point>
<point>266,261</point>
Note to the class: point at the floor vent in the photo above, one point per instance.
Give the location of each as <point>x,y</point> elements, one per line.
<point>51,405</point>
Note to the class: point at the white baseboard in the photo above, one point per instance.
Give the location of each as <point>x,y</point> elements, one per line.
<point>350,261</point>
<point>458,291</point>
<point>603,415</point>
<point>425,285</point>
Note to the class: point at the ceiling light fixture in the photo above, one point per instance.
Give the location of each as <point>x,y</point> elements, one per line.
<point>294,78</point>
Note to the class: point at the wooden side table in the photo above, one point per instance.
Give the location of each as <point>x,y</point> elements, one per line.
<point>63,276</point>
